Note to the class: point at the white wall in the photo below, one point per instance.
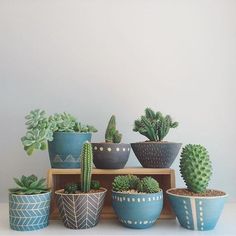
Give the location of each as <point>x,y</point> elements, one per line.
<point>97,57</point>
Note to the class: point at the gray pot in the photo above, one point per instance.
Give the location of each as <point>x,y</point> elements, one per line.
<point>110,155</point>
<point>156,154</point>
<point>80,211</point>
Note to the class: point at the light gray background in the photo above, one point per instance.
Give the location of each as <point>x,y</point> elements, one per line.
<point>94,58</point>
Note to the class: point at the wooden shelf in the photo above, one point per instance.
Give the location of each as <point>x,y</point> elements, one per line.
<point>57,178</point>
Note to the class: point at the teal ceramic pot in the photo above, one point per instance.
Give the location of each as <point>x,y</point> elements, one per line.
<point>197,213</point>
<point>29,212</point>
<point>137,211</point>
<point>156,154</point>
<point>82,210</point>
<point>64,150</point>
<point>110,155</point>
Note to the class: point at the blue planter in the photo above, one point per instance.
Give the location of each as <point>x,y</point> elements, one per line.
<point>29,212</point>
<point>64,150</point>
<point>137,211</point>
<point>197,213</point>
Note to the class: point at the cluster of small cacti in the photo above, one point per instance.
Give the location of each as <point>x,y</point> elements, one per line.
<point>195,167</point>
<point>72,188</point>
<point>40,128</point>
<point>154,125</point>
<point>29,185</point>
<point>123,183</point>
<point>112,135</point>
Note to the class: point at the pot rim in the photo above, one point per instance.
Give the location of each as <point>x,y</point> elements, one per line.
<point>197,197</point>
<point>114,144</point>
<point>72,132</point>
<point>60,192</point>
<point>137,194</point>
<point>156,142</point>
<point>21,195</point>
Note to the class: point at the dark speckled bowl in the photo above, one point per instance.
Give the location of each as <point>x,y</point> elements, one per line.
<point>110,155</point>
<point>156,154</point>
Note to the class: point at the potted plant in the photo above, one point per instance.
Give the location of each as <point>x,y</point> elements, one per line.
<point>80,205</point>
<point>155,153</point>
<point>29,204</point>
<point>196,207</point>
<point>136,202</point>
<point>61,133</point>
<point>111,154</point>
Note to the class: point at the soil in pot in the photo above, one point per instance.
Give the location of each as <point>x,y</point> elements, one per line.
<point>208,193</point>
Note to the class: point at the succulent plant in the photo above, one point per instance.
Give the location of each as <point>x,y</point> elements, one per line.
<point>112,135</point>
<point>148,185</point>
<point>95,185</point>
<point>195,167</point>
<point>71,188</point>
<point>154,125</point>
<point>86,167</point>
<point>29,185</point>
<point>121,183</point>
<point>133,181</point>
<point>40,128</point>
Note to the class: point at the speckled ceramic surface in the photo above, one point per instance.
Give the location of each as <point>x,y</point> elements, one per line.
<point>80,211</point>
<point>197,213</point>
<point>137,211</point>
<point>110,155</point>
<point>156,154</point>
<point>29,212</point>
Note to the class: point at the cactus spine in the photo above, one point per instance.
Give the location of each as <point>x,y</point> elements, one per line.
<point>86,167</point>
<point>112,135</point>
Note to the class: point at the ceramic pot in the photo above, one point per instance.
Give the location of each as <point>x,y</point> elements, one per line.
<point>64,150</point>
<point>110,155</point>
<point>137,211</point>
<point>156,154</point>
<point>80,211</point>
<point>29,212</point>
<point>197,213</point>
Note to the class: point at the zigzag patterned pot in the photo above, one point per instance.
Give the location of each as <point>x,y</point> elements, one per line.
<point>137,211</point>
<point>197,213</point>
<point>29,212</point>
<point>80,211</point>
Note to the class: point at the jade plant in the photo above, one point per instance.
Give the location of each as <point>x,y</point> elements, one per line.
<point>28,185</point>
<point>195,167</point>
<point>125,183</point>
<point>40,128</point>
<point>112,135</point>
<point>154,125</point>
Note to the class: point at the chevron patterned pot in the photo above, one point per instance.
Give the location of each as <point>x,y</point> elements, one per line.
<point>197,213</point>
<point>64,150</point>
<point>110,155</point>
<point>29,212</point>
<point>156,154</point>
<point>80,211</point>
<point>137,211</point>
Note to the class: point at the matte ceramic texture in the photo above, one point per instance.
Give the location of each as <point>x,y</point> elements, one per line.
<point>110,155</point>
<point>156,154</point>
<point>197,213</point>
<point>29,212</point>
<point>80,211</point>
<point>137,211</point>
<point>64,150</point>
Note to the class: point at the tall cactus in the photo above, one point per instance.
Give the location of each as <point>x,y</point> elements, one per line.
<point>112,135</point>
<point>86,167</point>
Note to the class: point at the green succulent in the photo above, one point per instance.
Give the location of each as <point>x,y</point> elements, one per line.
<point>148,185</point>
<point>71,188</point>
<point>29,185</point>
<point>112,135</point>
<point>154,125</point>
<point>95,185</point>
<point>133,181</point>
<point>35,118</point>
<point>85,128</point>
<point>121,183</point>
<point>195,167</point>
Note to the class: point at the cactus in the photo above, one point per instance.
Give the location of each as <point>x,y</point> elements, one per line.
<point>86,167</point>
<point>29,185</point>
<point>133,181</point>
<point>121,183</point>
<point>112,135</point>
<point>148,185</point>
<point>154,126</point>
<point>195,167</point>
<point>95,185</point>
<point>71,188</point>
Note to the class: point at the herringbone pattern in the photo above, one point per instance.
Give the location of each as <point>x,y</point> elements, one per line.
<point>80,211</point>
<point>29,212</point>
